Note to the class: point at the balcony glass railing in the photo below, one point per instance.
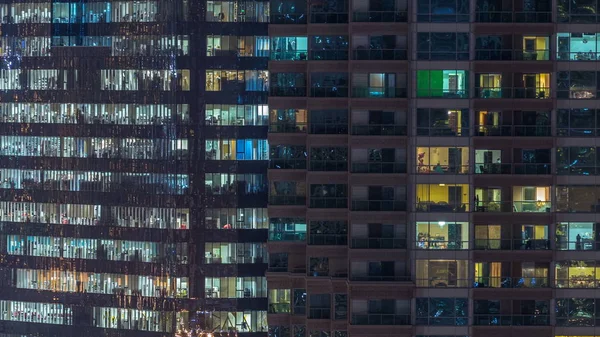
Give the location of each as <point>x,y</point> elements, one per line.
<point>512,55</point>
<point>329,17</point>
<point>329,203</point>
<point>513,130</point>
<point>380,319</point>
<point>328,240</point>
<point>510,16</point>
<point>296,55</point>
<point>512,244</point>
<point>442,206</point>
<point>287,91</point>
<point>514,320</point>
<point>442,93</point>
<point>287,164</point>
<point>511,282</point>
<point>578,282</point>
<point>289,18</point>
<point>379,130</point>
<point>380,278</point>
<point>442,169</point>
<point>378,205</point>
<point>513,92</point>
<point>499,168</point>
<point>442,245</point>
<point>287,128</point>
<point>532,206</point>
<point>380,54</point>
<point>299,200</point>
<point>562,243</point>
<point>375,167</point>
<point>380,16</point>
<point>280,308</point>
<point>436,282</point>
<point>378,92</point>
<point>329,91</point>
<point>329,128</point>
<point>378,243</point>
<point>578,56</point>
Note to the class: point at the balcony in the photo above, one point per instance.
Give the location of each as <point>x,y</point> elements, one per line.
<point>512,55</point>
<point>295,55</point>
<point>442,169</point>
<point>532,206</point>
<point>511,320</point>
<point>512,92</point>
<point>378,243</point>
<point>287,91</point>
<point>327,240</point>
<point>378,205</point>
<point>380,16</point>
<point>329,202</point>
<point>499,168</point>
<point>378,167</point>
<point>378,92</point>
<point>511,282</point>
<point>380,319</point>
<point>287,200</point>
<point>329,91</point>
<point>380,54</point>
<point>517,17</point>
<point>380,278</point>
<point>287,128</point>
<point>379,130</point>
<point>442,206</point>
<point>512,244</point>
<point>287,164</point>
<point>433,244</point>
<point>513,130</point>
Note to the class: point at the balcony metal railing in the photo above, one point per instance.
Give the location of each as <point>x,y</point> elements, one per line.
<point>328,128</point>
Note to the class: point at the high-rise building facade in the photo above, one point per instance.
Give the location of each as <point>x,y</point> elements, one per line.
<point>133,168</point>
<point>433,168</point>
